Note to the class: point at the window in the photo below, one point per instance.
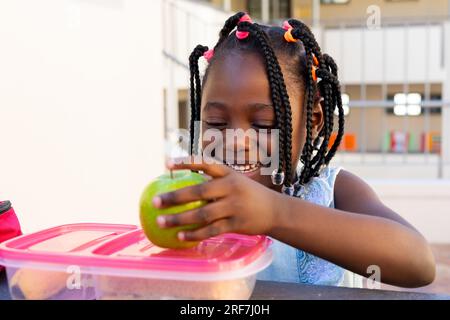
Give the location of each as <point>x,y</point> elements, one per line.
<point>411,104</point>
<point>345,105</point>
<point>278,10</point>
<point>407,104</point>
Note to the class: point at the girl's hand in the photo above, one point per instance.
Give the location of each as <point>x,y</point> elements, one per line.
<point>237,204</point>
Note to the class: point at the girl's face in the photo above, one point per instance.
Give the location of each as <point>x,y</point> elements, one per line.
<point>236,95</point>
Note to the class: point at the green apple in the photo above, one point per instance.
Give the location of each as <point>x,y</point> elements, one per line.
<point>167,237</point>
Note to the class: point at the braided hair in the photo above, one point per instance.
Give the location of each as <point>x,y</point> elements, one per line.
<point>307,63</point>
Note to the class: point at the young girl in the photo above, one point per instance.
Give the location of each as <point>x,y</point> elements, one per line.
<point>323,220</point>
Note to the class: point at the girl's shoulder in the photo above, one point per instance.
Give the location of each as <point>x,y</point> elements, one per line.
<point>320,189</point>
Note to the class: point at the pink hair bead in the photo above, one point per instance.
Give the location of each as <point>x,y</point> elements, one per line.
<point>286,25</point>
<point>241,35</point>
<point>246,18</point>
<point>208,55</point>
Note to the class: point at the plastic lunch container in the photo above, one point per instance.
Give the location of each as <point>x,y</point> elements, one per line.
<point>107,261</point>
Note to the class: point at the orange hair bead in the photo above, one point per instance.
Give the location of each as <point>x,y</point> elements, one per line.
<point>315,60</point>
<point>314,73</point>
<point>288,36</point>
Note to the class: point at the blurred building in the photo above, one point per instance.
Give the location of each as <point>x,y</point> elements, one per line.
<point>334,10</point>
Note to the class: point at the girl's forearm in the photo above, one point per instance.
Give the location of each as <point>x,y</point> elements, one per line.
<point>355,241</point>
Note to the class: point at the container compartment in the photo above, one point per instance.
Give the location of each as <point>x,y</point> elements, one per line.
<point>38,268</point>
<point>128,288</point>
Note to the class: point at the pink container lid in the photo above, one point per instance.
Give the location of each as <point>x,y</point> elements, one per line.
<point>125,247</point>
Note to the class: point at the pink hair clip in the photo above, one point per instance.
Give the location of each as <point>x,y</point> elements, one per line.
<point>208,55</point>
<point>241,35</point>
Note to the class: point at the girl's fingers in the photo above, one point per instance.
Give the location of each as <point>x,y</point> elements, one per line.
<point>211,230</point>
<point>209,166</point>
<point>203,216</point>
<point>209,190</point>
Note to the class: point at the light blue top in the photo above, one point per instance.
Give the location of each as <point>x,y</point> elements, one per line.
<point>294,265</point>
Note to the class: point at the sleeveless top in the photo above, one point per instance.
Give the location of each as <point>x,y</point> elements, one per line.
<point>293,265</point>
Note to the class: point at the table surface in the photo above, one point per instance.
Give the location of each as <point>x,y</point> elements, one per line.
<point>267,290</point>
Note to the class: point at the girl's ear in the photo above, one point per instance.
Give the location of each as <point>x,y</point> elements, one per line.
<point>317,117</point>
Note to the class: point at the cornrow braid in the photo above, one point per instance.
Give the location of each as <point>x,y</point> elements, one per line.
<point>195,92</point>
<point>279,95</point>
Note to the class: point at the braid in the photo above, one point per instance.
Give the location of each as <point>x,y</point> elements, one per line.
<point>337,102</point>
<point>337,94</point>
<point>228,27</point>
<point>329,103</point>
<point>308,149</point>
<point>325,133</point>
<point>195,91</point>
<point>329,89</point>
<point>279,97</point>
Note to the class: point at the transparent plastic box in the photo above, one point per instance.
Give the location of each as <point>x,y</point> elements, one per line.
<point>104,261</point>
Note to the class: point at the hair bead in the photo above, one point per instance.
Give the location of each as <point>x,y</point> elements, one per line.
<point>241,35</point>
<point>208,55</point>
<point>245,18</point>
<point>288,36</point>
<point>314,73</point>
<point>315,60</point>
<point>286,25</point>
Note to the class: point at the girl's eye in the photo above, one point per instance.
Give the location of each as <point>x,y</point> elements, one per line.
<point>215,123</point>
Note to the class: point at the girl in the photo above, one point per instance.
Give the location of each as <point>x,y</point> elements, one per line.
<point>322,219</point>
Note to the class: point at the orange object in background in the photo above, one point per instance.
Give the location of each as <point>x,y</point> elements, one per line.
<point>431,142</point>
<point>348,142</point>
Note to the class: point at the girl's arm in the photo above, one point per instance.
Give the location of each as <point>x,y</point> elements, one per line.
<point>360,232</point>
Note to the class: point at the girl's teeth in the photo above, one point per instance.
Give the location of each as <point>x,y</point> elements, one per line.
<point>243,168</point>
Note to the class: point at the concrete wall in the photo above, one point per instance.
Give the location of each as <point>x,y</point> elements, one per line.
<point>412,53</point>
<point>81,117</point>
